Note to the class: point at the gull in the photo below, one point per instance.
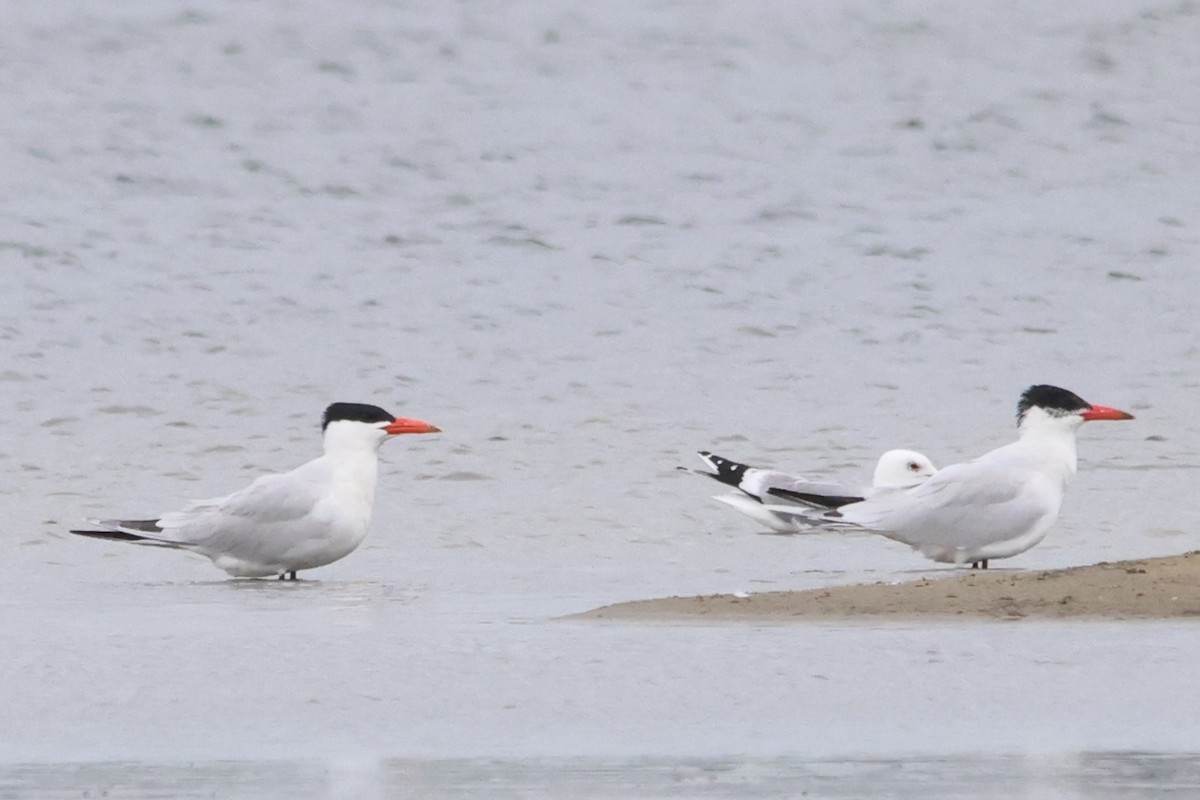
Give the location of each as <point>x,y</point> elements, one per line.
<point>783,502</point>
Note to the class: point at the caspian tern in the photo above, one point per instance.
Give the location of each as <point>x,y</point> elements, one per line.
<point>767,494</point>
<point>280,524</point>
<point>996,506</point>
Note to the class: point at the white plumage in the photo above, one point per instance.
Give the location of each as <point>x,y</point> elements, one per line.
<point>769,496</point>
<point>997,505</point>
<point>280,524</point>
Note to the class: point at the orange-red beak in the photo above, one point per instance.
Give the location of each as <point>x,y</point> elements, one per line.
<point>1104,412</point>
<point>401,425</point>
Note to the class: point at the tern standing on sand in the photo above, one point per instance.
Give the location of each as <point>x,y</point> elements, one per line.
<point>996,506</point>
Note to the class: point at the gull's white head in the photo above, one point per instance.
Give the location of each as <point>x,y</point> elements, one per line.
<point>900,469</point>
<point>351,424</point>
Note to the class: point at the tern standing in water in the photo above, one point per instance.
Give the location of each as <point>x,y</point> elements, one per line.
<point>281,524</point>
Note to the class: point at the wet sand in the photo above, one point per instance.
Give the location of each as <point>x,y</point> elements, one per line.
<point>1155,588</point>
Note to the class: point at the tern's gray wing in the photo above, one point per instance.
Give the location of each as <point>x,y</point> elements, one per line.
<point>963,506</point>
<point>270,504</point>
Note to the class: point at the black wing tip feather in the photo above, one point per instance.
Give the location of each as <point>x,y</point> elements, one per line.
<point>116,536</point>
<point>109,530</point>
<point>728,472</point>
<point>816,500</point>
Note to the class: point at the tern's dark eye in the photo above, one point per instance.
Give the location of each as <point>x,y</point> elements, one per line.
<point>914,466</point>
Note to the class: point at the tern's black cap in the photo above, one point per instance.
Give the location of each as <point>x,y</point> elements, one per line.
<point>1051,399</point>
<point>355,412</point>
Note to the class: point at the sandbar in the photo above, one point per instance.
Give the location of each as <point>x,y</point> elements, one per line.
<point>1151,588</point>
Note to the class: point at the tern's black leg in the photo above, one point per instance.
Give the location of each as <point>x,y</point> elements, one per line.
<point>982,565</point>
<point>287,576</point>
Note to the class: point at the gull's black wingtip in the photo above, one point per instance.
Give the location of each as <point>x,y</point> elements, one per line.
<point>724,470</point>
<point>814,500</point>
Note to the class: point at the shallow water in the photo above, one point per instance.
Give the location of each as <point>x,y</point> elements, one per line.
<point>1107,776</point>
<point>586,243</point>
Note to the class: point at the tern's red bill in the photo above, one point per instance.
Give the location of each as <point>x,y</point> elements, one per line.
<point>1104,412</point>
<point>401,425</point>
